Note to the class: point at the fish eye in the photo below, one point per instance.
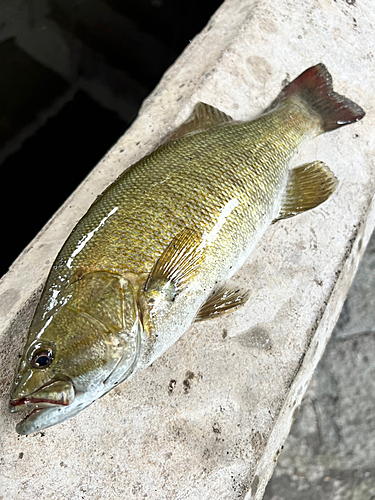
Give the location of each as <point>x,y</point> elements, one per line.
<point>42,358</point>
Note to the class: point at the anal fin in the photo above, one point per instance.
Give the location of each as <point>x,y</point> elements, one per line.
<point>222,301</point>
<point>308,186</point>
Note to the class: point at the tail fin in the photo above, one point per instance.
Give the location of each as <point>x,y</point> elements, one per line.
<point>314,87</point>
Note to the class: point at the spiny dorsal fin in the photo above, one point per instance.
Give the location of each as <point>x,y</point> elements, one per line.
<point>204,116</point>
<point>308,186</point>
<point>179,261</point>
<point>224,300</point>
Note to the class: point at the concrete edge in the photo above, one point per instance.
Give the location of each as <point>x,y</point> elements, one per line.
<point>321,333</point>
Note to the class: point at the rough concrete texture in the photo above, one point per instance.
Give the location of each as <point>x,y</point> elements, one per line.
<point>330,453</point>
<point>358,313</point>
<point>208,419</point>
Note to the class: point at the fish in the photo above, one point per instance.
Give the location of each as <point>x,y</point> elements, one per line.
<point>156,251</point>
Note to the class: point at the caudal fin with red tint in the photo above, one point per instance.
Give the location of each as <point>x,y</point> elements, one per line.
<point>314,87</point>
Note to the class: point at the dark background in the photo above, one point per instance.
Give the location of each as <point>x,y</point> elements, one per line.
<point>73,74</point>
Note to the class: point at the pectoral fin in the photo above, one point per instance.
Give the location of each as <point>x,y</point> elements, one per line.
<point>177,264</point>
<point>225,300</point>
<point>308,186</point>
<point>204,116</point>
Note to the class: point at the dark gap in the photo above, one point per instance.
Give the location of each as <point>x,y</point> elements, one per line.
<point>55,126</point>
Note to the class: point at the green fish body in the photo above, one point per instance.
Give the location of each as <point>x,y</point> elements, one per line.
<point>154,251</point>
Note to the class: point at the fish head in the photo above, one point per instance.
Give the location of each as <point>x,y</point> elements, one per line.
<point>77,352</point>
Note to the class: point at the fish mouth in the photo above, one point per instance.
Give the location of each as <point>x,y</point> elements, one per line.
<point>55,393</point>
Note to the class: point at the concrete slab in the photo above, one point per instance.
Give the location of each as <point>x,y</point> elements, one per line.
<point>330,452</point>
<point>358,313</point>
<point>208,419</point>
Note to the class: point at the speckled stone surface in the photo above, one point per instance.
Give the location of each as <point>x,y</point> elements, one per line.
<point>358,314</point>
<point>330,452</point>
<point>207,419</point>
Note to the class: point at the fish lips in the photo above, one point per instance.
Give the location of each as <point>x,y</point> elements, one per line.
<point>56,392</point>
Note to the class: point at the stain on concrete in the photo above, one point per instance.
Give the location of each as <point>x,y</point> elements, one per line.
<point>256,337</point>
<point>254,485</point>
<point>171,386</point>
<point>262,70</point>
<point>295,413</point>
<point>216,428</point>
<point>267,25</point>
<point>187,381</point>
<point>240,485</point>
<point>286,80</point>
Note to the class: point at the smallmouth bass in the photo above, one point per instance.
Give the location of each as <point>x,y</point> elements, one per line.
<point>153,253</point>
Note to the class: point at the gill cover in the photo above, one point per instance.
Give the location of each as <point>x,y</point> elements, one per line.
<point>111,300</point>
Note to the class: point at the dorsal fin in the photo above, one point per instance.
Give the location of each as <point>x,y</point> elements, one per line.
<point>204,116</point>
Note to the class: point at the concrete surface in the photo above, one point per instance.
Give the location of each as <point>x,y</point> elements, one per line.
<point>330,452</point>
<point>358,313</point>
<point>208,419</point>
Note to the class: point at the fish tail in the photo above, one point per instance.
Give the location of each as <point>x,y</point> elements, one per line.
<point>314,87</point>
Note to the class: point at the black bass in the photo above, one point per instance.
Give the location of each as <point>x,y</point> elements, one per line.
<point>153,253</point>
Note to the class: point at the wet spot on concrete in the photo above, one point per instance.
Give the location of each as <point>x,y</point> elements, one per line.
<point>256,440</point>
<point>256,337</point>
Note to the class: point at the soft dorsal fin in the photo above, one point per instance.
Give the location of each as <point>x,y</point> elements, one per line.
<point>204,116</point>
<point>308,186</point>
<point>226,299</point>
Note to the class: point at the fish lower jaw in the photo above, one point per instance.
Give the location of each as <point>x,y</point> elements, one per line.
<point>38,418</point>
<point>35,410</point>
<point>23,427</point>
<point>42,416</point>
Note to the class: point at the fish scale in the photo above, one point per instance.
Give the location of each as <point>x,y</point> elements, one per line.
<point>226,179</point>
<point>154,251</point>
